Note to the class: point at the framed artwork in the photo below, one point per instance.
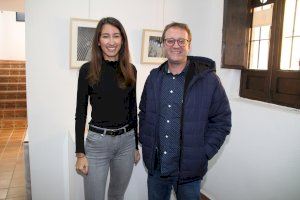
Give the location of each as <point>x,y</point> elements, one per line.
<point>20,17</point>
<point>81,38</point>
<point>152,51</point>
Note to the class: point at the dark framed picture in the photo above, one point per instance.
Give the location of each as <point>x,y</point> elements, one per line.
<point>81,37</point>
<point>20,17</point>
<point>152,51</point>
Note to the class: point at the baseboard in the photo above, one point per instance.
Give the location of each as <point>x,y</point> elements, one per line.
<point>205,196</point>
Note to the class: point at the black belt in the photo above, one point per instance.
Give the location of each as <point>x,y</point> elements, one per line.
<point>111,132</point>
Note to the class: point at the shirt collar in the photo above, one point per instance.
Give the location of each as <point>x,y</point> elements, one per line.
<point>167,71</point>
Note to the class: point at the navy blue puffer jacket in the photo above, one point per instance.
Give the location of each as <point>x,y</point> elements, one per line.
<point>206,118</point>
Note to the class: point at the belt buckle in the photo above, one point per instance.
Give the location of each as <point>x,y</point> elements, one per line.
<point>114,133</point>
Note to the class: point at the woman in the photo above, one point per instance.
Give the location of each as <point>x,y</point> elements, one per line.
<point>109,80</point>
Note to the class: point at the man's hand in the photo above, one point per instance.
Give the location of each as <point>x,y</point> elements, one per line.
<point>136,157</point>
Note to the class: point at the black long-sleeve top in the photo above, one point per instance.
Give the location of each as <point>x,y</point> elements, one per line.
<point>112,106</point>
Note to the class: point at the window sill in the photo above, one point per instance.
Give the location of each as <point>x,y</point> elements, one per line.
<point>264,105</point>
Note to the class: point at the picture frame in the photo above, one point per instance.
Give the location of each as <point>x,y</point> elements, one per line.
<point>81,38</point>
<point>20,16</point>
<point>152,51</point>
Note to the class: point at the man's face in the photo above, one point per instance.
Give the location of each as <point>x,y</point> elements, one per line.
<point>176,45</point>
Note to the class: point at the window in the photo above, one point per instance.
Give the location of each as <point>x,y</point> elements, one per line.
<point>262,38</point>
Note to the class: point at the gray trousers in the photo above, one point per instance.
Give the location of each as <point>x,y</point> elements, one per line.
<point>104,153</point>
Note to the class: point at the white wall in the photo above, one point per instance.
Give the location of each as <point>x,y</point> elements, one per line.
<point>261,158</point>
<point>257,161</point>
<point>52,86</point>
<point>12,37</point>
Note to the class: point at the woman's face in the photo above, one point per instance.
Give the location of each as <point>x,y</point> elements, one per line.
<point>110,41</point>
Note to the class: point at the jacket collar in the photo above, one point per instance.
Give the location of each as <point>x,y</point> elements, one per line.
<point>200,64</point>
<point>198,68</point>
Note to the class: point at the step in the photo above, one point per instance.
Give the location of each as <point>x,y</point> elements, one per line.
<point>12,71</point>
<point>12,64</point>
<point>13,103</point>
<point>13,86</point>
<point>13,94</point>
<point>8,123</point>
<point>13,112</point>
<point>12,78</point>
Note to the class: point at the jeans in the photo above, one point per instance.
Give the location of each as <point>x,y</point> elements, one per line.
<point>104,153</point>
<point>159,188</point>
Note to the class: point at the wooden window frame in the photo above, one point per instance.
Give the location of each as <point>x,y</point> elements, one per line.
<point>274,85</point>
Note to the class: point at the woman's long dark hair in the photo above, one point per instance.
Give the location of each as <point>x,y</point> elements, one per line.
<point>126,76</point>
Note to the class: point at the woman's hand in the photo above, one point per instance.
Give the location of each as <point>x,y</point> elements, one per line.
<point>136,157</point>
<point>82,165</point>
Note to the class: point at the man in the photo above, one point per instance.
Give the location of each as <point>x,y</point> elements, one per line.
<point>184,118</point>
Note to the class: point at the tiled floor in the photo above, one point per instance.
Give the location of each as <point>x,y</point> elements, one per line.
<point>12,176</point>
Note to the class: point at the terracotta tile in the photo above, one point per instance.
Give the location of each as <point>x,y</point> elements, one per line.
<point>14,72</point>
<point>20,104</point>
<point>16,138</point>
<point>7,125</point>
<point>4,183</point>
<point>18,134</point>
<point>8,169</point>
<point>3,193</point>
<point>20,113</point>
<point>16,192</point>
<point>2,145</point>
<point>21,155</point>
<point>22,79</point>
<point>4,136</point>
<point>22,87</point>
<point>3,133</point>
<point>12,173</point>
<point>11,150</point>
<point>22,72</point>
<point>19,130</point>
<point>8,160</point>
<point>18,182</point>
<point>16,198</point>
<point>10,156</point>
<point>3,87</point>
<point>7,163</point>
<point>7,131</point>
<point>4,175</point>
<point>4,72</point>
<point>20,161</point>
<point>15,142</point>
<point>3,95</point>
<point>19,172</point>
<point>8,113</point>
<point>20,95</point>
<point>12,147</point>
<point>12,87</point>
<point>19,169</point>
